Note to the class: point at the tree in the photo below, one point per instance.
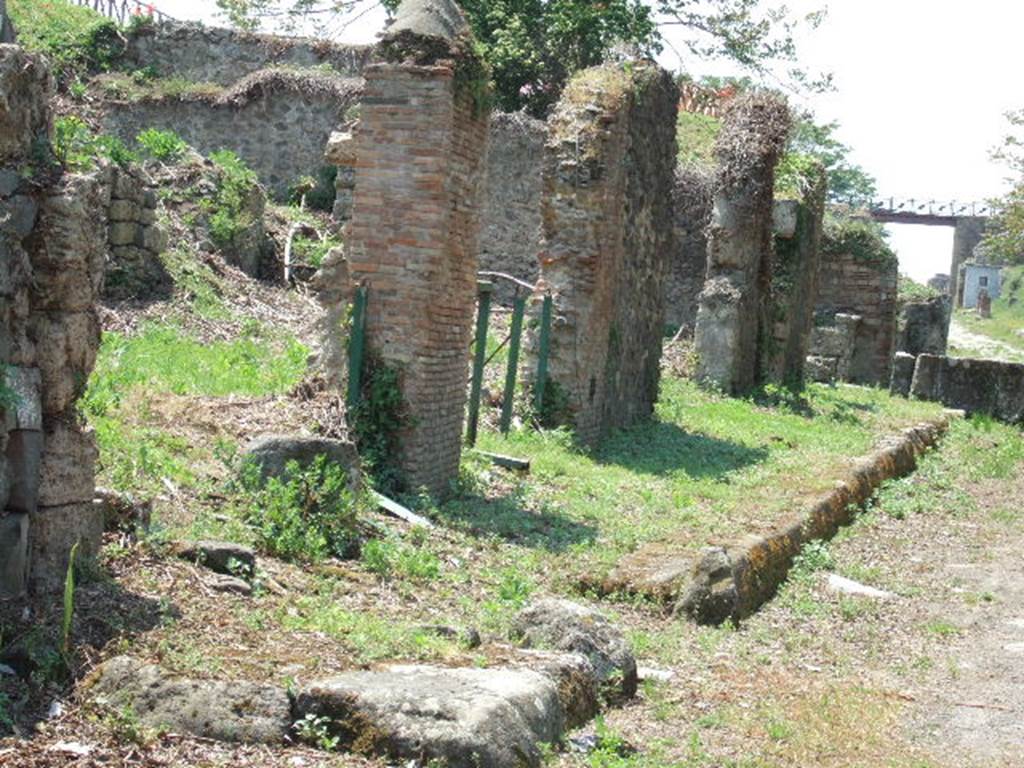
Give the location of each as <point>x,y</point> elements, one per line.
<point>1004,236</point>
<point>533,46</point>
<point>848,182</point>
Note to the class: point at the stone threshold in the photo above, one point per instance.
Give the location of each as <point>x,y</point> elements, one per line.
<point>730,581</point>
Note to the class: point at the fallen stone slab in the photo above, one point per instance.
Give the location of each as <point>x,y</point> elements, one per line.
<point>563,625</point>
<point>271,455</point>
<point>730,581</point>
<point>843,586</point>
<point>243,712</point>
<point>464,718</point>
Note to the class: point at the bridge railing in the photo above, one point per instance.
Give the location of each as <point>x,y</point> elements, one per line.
<point>914,207</point>
<point>123,11</point>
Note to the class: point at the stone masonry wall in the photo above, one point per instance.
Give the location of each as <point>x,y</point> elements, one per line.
<point>204,54</point>
<point>923,326</point>
<point>732,319</point>
<point>607,241</point>
<point>693,198</point>
<point>420,150</point>
<point>859,286</point>
<point>53,244</point>
<point>798,230</point>
<point>992,387</point>
<point>510,239</point>
<point>279,128</point>
<point>135,240</point>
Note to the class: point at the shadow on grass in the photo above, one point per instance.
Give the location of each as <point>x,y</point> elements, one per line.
<point>31,641</point>
<point>512,518</point>
<point>660,448</point>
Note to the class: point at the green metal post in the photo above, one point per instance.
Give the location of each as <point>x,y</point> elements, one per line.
<point>518,309</point>
<point>356,346</point>
<point>542,353</point>
<point>480,355</point>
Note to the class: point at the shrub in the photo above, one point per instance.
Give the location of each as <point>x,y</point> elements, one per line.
<point>308,516</point>
<point>385,557</point>
<point>166,146</point>
<point>228,218</point>
<point>77,148</point>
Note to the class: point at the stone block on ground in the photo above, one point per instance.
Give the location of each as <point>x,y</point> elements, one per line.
<point>52,534</point>
<point>465,718</point>
<point>570,627</point>
<point>902,374</point>
<point>244,712</point>
<point>273,454</point>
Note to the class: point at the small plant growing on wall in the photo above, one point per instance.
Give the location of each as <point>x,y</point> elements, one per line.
<point>165,146</point>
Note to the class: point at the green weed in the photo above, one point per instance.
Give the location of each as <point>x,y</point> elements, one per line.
<point>165,146</point>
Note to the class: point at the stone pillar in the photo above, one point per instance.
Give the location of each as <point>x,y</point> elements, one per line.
<point>966,237</point>
<point>606,241</point>
<point>798,228</point>
<point>902,374</point>
<point>420,151</point>
<point>927,375</point>
<point>732,315</point>
<point>923,326</point>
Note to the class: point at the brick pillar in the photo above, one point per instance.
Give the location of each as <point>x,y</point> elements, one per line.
<point>733,307</point>
<point>420,149</point>
<point>607,228</point>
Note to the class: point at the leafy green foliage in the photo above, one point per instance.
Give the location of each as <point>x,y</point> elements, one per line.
<point>76,40</point>
<point>77,148</point>
<point>796,175</point>
<point>911,290</point>
<point>386,557</point>
<point>319,191</point>
<point>848,183</point>
<point>312,251</point>
<point>857,236</point>
<point>309,515</point>
<point>165,146</point>
<point>377,420</point>
<point>1004,235</point>
<point>228,217</point>
<point>696,135</point>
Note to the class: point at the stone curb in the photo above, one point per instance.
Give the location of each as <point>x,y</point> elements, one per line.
<point>733,580</point>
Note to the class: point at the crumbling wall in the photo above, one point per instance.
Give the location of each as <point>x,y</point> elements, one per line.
<point>607,241</point>
<point>732,318</point>
<point>860,284</point>
<point>693,197</point>
<point>832,344</point>
<point>413,238</point>
<point>53,244</point>
<point>135,240</point>
<point>798,230</point>
<point>992,387</point>
<point>277,122</point>
<point>212,55</point>
<point>510,239</point>
<point>923,326</point>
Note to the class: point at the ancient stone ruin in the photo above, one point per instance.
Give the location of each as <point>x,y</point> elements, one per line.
<point>413,238</point>
<point>693,197</point>
<point>607,236</point>
<point>53,243</point>
<point>992,387</point>
<point>732,321</point>
<point>855,284</point>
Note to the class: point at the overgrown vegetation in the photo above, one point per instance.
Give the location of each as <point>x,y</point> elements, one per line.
<point>228,210</point>
<point>76,40</point>
<point>308,515</point>
<point>377,420</point>
<point>911,290</point>
<point>77,148</point>
<point>857,236</point>
<point>165,146</point>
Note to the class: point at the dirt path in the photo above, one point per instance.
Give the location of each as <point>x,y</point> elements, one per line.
<point>978,345</point>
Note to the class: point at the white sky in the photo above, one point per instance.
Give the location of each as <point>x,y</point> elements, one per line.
<point>922,86</point>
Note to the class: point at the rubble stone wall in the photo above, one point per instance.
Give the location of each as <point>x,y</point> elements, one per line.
<point>279,130</point>
<point>693,199</point>
<point>992,387</point>
<point>607,241</point>
<point>851,284</point>
<point>832,344</point>
<point>213,55</point>
<point>53,245</point>
<point>135,239</point>
<point>732,318</point>
<point>413,240</point>
<point>510,239</point>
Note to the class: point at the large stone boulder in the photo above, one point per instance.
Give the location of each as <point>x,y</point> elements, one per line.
<point>464,718</point>
<point>273,454</point>
<point>244,712</point>
<point>566,626</point>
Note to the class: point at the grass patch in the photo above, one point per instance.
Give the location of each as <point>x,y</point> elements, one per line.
<point>74,39</point>
<point>696,135</point>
